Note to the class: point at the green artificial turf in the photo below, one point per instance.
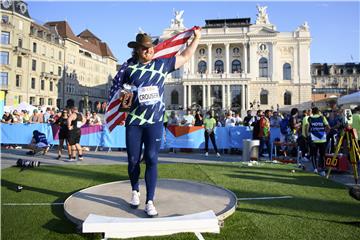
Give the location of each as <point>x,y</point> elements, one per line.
<point>319,209</point>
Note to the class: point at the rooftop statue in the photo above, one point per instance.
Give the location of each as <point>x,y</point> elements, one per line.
<point>262,16</point>
<point>304,27</point>
<point>177,22</point>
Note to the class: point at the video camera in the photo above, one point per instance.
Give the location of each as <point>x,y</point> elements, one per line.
<point>27,163</point>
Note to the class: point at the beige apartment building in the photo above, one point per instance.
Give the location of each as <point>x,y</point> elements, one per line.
<point>331,80</point>
<point>50,65</point>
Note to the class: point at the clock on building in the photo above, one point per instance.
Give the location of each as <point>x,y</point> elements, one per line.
<point>22,7</point>
<point>6,3</point>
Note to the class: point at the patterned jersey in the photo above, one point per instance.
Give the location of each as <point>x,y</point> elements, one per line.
<point>147,84</point>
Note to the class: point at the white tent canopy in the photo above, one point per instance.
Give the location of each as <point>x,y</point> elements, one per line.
<point>22,106</point>
<point>351,99</point>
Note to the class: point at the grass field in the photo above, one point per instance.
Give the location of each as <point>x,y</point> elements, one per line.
<point>319,209</point>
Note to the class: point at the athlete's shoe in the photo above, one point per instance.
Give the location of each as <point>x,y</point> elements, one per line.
<point>150,209</point>
<point>206,154</point>
<point>315,170</point>
<point>218,155</point>
<point>135,199</point>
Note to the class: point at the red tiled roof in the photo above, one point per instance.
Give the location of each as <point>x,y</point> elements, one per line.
<point>86,39</point>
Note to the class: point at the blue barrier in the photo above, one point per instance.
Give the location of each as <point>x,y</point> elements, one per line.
<point>22,133</point>
<point>226,137</point>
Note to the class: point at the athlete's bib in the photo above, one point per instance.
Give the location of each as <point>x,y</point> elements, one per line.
<point>78,124</point>
<point>148,95</point>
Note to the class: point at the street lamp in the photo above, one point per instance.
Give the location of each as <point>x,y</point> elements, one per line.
<point>86,102</point>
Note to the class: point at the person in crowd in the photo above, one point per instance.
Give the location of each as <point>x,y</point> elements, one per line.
<point>173,119</point>
<point>57,115</point>
<point>52,118</point>
<point>335,122</point>
<point>26,116</point>
<point>198,118</point>
<point>144,124</point>
<point>294,125</point>
<point>317,128</point>
<point>63,133</point>
<point>17,117</point>
<point>74,123</point>
<point>303,140</point>
<point>47,115</point>
<point>356,122</point>
<point>238,120</point>
<point>255,123</point>
<point>87,118</point>
<point>209,125</point>
<point>95,119</point>
<point>188,119</point>
<point>264,133</point>
<point>248,118</point>
<point>229,121</point>
<point>275,120</point>
<point>7,117</point>
<point>36,117</point>
<point>38,143</point>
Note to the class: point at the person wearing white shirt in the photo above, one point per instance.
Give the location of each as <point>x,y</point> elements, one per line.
<point>95,119</point>
<point>229,121</point>
<point>188,119</point>
<point>238,120</point>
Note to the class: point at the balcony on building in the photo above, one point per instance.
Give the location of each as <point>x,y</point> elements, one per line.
<point>22,51</point>
<point>49,75</point>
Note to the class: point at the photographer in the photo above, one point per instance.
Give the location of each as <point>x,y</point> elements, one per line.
<point>317,128</point>
<point>38,143</point>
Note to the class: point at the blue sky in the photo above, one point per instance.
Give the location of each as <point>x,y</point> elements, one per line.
<point>334,26</point>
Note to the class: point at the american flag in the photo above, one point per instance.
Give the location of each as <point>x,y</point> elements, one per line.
<point>165,49</point>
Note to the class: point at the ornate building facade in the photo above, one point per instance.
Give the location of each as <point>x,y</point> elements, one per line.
<point>239,65</point>
<point>330,80</point>
<point>49,65</point>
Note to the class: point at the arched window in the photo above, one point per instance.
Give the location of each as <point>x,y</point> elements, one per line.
<point>219,66</point>
<point>174,97</point>
<point>236,66</point>
<point>287,98</point>
<point>263,67</point>
<point>264,97</point>
<point>202,67</point>
<point>287,71</point>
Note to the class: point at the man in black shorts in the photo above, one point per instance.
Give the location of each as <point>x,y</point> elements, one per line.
<point>74,123</point>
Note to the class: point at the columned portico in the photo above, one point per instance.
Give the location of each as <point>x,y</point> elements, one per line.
<point>209,102</point>
<point>189,96</point>
<point>185,95</point>
<point>223,96</point>
<point>243,97</point>
<point>245,46</point>
<point>203,97</point>
<point>229,96</point>
<point>192,64</point>
<point>227,58</point>
<point>210,58</point>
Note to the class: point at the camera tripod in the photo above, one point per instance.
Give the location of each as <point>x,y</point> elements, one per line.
<point>353,149</point>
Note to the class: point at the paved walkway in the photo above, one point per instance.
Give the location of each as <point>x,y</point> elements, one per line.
<point>10,156</point>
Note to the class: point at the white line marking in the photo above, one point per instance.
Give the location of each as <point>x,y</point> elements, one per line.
<point>199,236</point>
<point>31,204</point>
<point>264,198</point>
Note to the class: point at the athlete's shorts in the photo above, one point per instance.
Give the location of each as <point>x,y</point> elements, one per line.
<point>74,137</point>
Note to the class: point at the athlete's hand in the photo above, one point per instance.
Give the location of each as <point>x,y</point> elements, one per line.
<point>126,99</point>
